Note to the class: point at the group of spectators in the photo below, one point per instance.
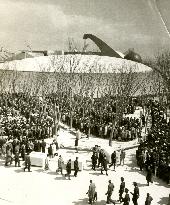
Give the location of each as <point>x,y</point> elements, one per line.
<point>15,150</point>
<point>97,117</point>
<point>154,153</point>
<point>36,118</point>
<point>26,121</point>
<point>24,115</point>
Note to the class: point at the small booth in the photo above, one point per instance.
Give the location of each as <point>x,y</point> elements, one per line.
<point>38,159</point>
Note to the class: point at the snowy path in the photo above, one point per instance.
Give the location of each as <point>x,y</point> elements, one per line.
<point>50,188</point>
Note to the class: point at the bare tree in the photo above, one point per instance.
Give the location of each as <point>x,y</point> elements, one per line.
<point>161,64</point>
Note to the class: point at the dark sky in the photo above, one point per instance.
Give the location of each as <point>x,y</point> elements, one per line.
<point>47,24</point>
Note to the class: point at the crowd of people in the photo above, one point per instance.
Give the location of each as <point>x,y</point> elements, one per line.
<point>100,158</point>
<point>16,150</point>
<point>124,194</point>
<point>24,115</point>
<point>97,117</point>
<point>154,153</point>
<point>36,118</point>
<point>27,121</point>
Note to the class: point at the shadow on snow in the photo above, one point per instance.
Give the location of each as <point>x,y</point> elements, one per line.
<point>85,201</point>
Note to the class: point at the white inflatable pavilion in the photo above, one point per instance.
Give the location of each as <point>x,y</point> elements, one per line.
<point>75,64</point>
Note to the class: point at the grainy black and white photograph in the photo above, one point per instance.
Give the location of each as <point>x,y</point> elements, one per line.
<point>84,102</point>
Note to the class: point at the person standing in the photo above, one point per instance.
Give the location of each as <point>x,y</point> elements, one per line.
<point>17,147</point>
<point>105,131</point>
<point>149,176</point>
<point>104,165</point>
<point>17,160</point>
<point>8,158</point>
<point>50,151</point>
<point>122,156</point>
<point>60,164</point>
<point>30,146</point>
<point>78,135</point>
<point>23,150</point>
<point>27,162</point>
<point>94,160</point>
<point>135,194</point>
<point>56,144</point>
<point>38,146</point>
<point>101,155</point>
<point>148,199</point>
<point>43,146</point>
<point>126,199</point>
<point>91,192</point>
<point>88,131</point>
<point>121,190</point>
<point>46,164</point>
<point>109,192</point>
<point>68,169</point>
<point>113,160</point>
<point>76,167</point>
<point>53,149</point>
<point>141,161</point>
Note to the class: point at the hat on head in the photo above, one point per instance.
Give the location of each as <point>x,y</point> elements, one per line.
<point>122,178</point>
<point>126,190</point>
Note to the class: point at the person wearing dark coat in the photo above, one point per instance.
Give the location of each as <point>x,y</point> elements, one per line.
<point>94,160</point>
<point>78,136</point>
<point>141,161</point>
<point>68,169</point>
<point>101,156</point>
<point>121,190</point>
<point>135,194</point>
<point>38,146</point>
<point>50,151</point>
<point>27,162</point>
<point>56,144</point>
<point>109,192</point>
<point>76,167</point>
<point>43,146</point>
<point>113,159</point>
<point>126,199</point>
<point>148,199</point>
<point>17,160</point>
<point>14,143</point>
<point>149,176</point>
<point>23,151</point>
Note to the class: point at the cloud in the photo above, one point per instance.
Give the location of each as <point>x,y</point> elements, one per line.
<point>30,22</point>
<point>42,25</point>
<point>47,24</point>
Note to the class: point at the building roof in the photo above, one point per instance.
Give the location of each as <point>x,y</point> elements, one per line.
<point>76,64</point>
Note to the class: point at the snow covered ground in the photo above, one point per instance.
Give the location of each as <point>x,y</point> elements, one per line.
<point>41,187</point>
